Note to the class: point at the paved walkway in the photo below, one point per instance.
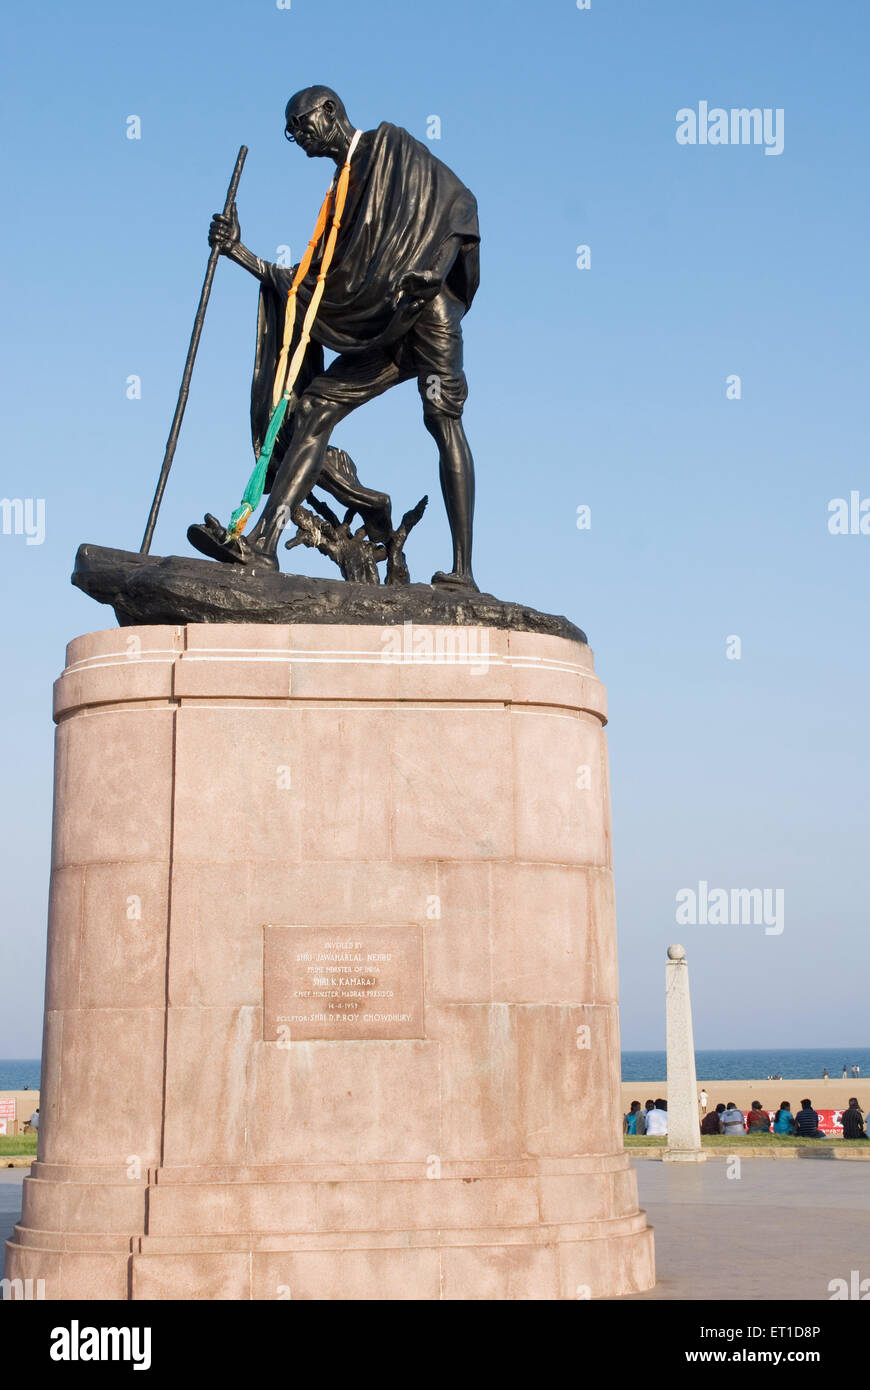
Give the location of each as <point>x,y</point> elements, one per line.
<point>778,1231</point>
<point>11,1180</point>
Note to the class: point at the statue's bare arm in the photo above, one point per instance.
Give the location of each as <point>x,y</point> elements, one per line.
<point>224,233</point>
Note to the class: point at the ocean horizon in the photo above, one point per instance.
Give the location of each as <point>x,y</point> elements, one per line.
<point>18,1073</point>
<point>743,1064</point>
<point>752,1064</point>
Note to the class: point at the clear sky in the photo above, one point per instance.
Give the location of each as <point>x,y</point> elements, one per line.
<point>603,387</point>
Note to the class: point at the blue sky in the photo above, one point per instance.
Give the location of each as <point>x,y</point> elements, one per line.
<point>604,387</point>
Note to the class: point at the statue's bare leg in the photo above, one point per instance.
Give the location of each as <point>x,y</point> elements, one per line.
<point>456,468</point>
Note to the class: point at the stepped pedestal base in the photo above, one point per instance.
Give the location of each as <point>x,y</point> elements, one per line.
<point>331,992</point>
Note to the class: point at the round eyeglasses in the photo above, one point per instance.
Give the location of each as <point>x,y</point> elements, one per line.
<point>294,123</point>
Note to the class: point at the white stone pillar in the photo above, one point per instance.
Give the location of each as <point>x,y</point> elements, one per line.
<point>684,1136</point>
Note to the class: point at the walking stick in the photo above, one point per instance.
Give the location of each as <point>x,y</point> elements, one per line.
<point>188,366</point>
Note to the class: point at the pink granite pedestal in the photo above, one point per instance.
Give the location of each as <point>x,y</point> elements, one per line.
<point>331,1007</point>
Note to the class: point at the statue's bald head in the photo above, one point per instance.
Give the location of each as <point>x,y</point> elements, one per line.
<point>311,99</point>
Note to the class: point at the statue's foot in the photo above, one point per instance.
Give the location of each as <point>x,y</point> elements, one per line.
<point>211,539</point>
<point>462,583</point>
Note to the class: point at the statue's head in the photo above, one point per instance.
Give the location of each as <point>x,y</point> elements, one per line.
<point>315,119</point>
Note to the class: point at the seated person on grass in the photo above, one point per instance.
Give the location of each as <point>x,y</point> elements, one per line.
<point>806,1122</point>
<point>758,1120</point>
<point>657,1118</point>
<point>630,1120</point>
<point>783,1120</point>
<point>853,1121</point>
<point>712,1121</point>
<point>732,1120</point>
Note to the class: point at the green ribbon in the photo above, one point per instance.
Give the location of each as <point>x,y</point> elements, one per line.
<point>253,493</point>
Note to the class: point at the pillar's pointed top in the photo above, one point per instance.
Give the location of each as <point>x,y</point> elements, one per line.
<point>676,953</point>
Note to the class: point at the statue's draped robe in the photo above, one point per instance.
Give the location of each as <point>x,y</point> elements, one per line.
<point>403,205</point>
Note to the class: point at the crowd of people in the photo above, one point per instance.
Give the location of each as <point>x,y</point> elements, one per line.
<point>729,1119</point>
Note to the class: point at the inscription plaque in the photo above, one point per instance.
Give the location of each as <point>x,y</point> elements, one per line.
<point>342,982</point>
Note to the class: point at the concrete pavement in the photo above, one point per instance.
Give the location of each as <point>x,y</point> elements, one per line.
<point>777,1231</point>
